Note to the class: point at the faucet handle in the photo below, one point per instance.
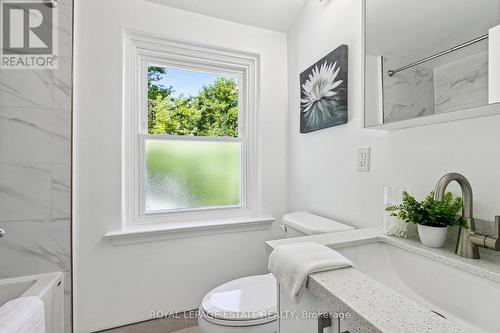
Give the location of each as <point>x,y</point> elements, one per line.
<point>497,227</point>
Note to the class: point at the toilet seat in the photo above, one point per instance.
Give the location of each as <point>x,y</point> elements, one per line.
<point>248,301</point>
<point>248,305</point>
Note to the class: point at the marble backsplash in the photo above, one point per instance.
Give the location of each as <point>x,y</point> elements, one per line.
<point>35,166</point>
<point>482,226</point>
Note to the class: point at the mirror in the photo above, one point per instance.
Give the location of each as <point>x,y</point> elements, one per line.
<point>430,60</point>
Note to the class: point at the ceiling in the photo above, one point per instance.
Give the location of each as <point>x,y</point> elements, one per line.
<point>275,15</point>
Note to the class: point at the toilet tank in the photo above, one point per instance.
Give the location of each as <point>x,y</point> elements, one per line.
<point>299,224</point>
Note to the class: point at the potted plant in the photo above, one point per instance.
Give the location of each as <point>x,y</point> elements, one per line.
<point>432,217</point>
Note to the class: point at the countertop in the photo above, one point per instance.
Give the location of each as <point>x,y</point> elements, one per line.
<point>382,307</point>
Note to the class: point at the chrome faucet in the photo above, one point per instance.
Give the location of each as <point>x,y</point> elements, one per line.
<point>469,240</point>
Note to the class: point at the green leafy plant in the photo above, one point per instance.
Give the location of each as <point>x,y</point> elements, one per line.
<point>213,112</point>
<point>430,212</point>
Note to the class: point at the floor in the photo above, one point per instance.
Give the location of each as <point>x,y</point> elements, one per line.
<point>181,323</point>
<point>148,327</point>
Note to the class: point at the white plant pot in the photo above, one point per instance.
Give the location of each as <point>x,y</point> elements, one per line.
<point>432,236</point>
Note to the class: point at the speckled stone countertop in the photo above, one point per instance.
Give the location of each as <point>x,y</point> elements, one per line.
<point>382,307</point>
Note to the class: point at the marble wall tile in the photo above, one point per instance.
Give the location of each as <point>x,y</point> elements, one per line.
<point>408,94</point>
<point>62,83</point>
<point>35,246</point>
<point>61,190</point>
<point>485,227</point>
<point>29,135</point>
<point>26,88</point>
<point>424,90</point>
<point>462,84</point>
<point>25,191</point>
<point>35,166</point>
<point>65,28</point>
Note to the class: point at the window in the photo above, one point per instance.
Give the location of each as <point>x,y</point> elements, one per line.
<point>190,115</point>
<point>193,147</point>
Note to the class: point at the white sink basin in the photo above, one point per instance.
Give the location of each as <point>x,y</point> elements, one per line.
<point>464,298</point>
<point>48,287</point>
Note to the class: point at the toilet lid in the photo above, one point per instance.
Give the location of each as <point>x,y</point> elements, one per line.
<point>311,224</point>
<point>248,298</point>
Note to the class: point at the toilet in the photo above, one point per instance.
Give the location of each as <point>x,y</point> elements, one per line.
<point>248,305</point>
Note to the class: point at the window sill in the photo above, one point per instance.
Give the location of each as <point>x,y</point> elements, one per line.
<point>153,233</point>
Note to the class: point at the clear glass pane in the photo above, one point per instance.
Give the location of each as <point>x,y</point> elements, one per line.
<point>182,102</point>
<point>191,174</point>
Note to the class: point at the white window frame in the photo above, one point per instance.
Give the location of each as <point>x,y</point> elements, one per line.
<point>140,50</point>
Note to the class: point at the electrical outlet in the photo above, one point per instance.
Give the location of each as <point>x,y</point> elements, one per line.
<point>364,159</point>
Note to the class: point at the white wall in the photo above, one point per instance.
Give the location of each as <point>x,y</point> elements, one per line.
<point>119,285</point>
<point>322,165</point>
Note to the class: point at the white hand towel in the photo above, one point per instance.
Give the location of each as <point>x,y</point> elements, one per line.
<point>291,264</point>
<point>23,315</point>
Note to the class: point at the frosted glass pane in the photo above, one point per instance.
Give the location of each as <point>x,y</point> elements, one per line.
<point>191,174</point>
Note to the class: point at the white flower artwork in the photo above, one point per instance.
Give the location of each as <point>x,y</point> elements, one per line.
<point>323,100</point>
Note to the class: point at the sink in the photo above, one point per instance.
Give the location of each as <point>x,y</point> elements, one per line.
<point>464,298</point>
<point>48,287</point>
